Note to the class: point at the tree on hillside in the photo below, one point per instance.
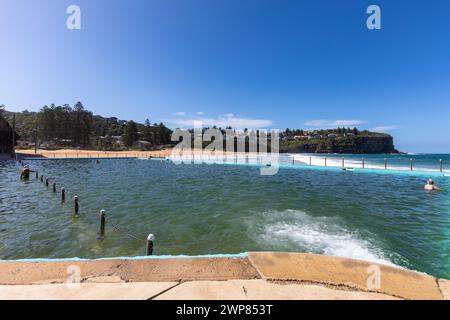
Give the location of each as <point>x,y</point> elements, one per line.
<point>130,134</point>
<point>65,125</point>
<point>147,132</point>
<point>106,143</point>
<point>47,123</point>
<point>164,134</point>
<point>82,124</point>
<point>2,108</point>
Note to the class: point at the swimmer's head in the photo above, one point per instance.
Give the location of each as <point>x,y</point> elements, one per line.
<point>430,181</point>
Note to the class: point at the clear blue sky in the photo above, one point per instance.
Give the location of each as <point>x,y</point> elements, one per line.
<point>273,64</point>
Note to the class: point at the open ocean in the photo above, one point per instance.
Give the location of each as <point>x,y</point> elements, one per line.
<point>196,209</point>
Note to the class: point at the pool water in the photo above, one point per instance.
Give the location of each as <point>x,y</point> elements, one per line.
<point>211,209</point>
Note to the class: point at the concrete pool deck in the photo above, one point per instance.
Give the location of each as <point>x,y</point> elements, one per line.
<point>260,275</point>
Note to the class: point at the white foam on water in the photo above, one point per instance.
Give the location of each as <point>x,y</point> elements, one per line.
<point>300,231</point>
<point>369,163</point>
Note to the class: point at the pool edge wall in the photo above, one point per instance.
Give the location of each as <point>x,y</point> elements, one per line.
<point>270,266</point>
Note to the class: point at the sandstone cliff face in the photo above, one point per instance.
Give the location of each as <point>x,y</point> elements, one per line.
<point>376,144</point>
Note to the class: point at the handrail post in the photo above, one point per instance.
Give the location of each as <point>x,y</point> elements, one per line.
<point>102,222</point>
<point>149,249</point>
<point>310,161</point>
<point>411,164</point>
<point>325,161</point>
<point>441,169</point>
<point>363,163</point>
<point>385,163</point>
<point>76,204</point>
<point>343,162</point>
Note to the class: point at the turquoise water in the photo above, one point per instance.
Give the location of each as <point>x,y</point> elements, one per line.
<point>210,209</point>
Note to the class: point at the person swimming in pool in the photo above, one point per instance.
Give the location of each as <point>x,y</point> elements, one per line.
<point>430,186</point>
<point>25,173</point>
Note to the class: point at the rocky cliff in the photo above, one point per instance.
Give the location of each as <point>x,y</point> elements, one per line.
<point>359,144</point>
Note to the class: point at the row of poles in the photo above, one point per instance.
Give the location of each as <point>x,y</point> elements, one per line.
<point>411,163</point>
<point>76,204</point>
<point>258,159</point>
<point>363,160</point>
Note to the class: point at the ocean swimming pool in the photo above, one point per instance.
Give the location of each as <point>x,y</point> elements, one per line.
<point>212,208</point>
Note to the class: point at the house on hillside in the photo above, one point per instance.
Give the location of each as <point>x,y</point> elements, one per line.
<point>6,139</point>
<point>24,143</point>
<point>300,137</point>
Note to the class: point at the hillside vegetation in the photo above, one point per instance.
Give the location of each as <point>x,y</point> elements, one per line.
<point>340,140</point>
<point>65,126</point>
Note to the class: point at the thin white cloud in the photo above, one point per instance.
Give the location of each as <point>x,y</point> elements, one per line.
<point>223,122</point>
<point>384,128</point>
<point>228,115</point>
<point>200,113</point>
<point>180,114</point>
<point>327,124</point>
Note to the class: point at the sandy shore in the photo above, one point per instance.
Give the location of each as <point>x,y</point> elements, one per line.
<point>260,275</point>
<point>79,153</point>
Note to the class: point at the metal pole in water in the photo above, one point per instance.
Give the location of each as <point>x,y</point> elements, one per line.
<point>46,182</point>
<point>441,165</point>
<point>63,195</point>
<point>310,161</point>
<point>150,240</point>
<point>54,186</point>
<point>343,163</point>
<point>75,202</point>
<point>325,161</point>
<point>102,222</point>
<point>385,163</point>
<point>363,163</point>
<point>411,164</point>
<point>37,175</point>
<point>42,178</point>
